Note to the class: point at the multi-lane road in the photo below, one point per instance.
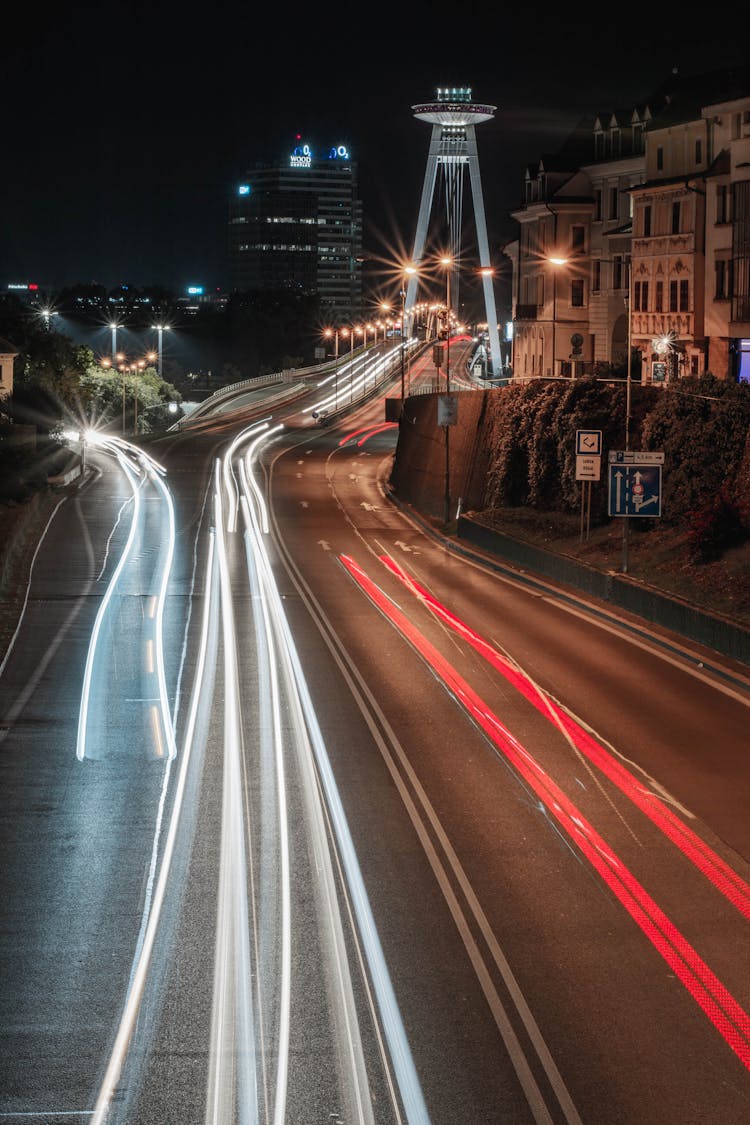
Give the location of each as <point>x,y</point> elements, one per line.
<point>308,818</point>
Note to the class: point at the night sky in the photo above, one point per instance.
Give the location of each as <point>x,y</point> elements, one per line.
<point>127,126</point>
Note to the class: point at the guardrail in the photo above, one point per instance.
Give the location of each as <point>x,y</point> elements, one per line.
<point>289,376</point>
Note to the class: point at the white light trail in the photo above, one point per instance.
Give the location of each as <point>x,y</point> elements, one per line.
<point>272,747</point>
<point>166,571</point>
<point>146,945</point>
<point>108,595</point>
<point>310,739</point>
<point>147,469</point>
<point>227,470</point>
<point>362,372</point>
<point>232,1093</point>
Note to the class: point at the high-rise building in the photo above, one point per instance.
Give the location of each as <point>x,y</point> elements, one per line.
<point>297,223</point>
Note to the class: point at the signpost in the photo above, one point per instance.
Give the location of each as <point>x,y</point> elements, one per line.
<point>635,483</point>
<point>588,467</point>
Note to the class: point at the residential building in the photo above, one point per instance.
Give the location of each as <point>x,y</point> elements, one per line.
<point>639,229</point>
<point>7,354</point>
<point>297,223</point>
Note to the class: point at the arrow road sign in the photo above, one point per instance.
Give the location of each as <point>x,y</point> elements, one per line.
<point>634,490</point>
<point>588,468</point>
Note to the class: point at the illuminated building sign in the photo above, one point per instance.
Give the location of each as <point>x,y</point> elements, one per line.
<point>195,290</point>
<point>244,189</point>
<point>303,156</point>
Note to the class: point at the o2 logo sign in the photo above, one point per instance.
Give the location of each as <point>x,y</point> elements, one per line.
<point>301,157</point>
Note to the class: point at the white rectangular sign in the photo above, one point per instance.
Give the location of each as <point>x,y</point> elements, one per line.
<point>588,468</point>
<point>636,457</point>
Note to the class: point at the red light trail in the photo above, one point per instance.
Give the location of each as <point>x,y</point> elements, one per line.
<point>726,1014</point>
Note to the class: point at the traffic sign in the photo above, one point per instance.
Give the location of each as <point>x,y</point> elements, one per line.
<point>634,490</point>
<point>588,443</point>
<point>588,468</point>
<point>636,457</point>
<point>447,410</point>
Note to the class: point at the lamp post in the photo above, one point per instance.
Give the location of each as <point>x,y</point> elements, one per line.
<point>160,329</point>
<point>328,332</point>
<point>447,261</point>
<point>625,520</point>
<point>136,369</point>
<point>385,308</point>
<point>113,328</point>
<point>408,271</point>
<point>487,273</point>
<point>556,262</point>
<point>349,332</point>
<point>123,368</point>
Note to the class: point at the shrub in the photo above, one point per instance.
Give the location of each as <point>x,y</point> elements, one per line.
<point>719,524</point>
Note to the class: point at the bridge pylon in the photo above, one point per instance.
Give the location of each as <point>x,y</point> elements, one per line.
<point>453,146</point>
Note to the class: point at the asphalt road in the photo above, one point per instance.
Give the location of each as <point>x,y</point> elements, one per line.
<point>306,818</point>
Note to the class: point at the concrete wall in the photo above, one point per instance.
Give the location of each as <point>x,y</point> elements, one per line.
<point>418,475</point>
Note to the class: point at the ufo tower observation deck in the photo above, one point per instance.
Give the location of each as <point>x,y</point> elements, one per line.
<point>453,146</point>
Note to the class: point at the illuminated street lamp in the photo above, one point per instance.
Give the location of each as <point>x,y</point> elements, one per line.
<point>136,370</point>
<point>328,332</point>
<point>349,332</point>
<point>385,308</point>
<point>447,261</point>
<point>557,263</point>
<point>409,272</point>
<point>160,329</point>
<point>123,367</point>
<point>113,329</point>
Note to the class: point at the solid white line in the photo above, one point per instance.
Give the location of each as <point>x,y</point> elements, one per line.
<point>28,586</point>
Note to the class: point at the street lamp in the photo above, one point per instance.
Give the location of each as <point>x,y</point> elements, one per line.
<point>160,329</point>
<point>408,271</point>
<point>628,379</point>
<point>328,332</point>
<point>487,273</point>
<point>113,328</point>
<point>123,368</point>
<point>447,261</point>
<point>557,263</point>
<point>136,369</point>
<point>349,332</point>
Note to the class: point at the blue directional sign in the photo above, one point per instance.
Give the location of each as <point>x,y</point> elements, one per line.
<point>634,490</point>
